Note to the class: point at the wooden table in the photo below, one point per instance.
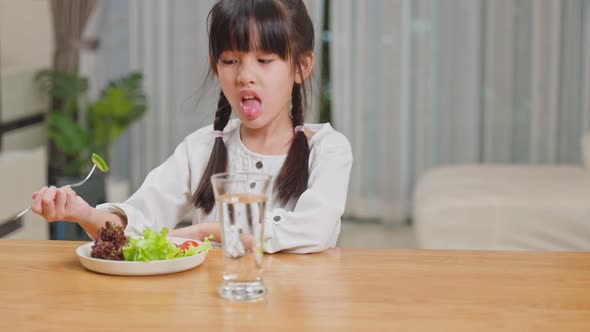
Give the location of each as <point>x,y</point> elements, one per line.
<point>44,287</point>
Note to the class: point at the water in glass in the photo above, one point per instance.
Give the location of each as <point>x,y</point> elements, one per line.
<point>241,200</point>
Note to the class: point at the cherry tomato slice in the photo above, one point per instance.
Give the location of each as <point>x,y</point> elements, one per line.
<point>190,243</point>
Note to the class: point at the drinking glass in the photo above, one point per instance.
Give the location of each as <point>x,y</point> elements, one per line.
<point>241,204</point>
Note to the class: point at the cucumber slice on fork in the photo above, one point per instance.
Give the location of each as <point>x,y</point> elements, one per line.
<point>99,162</point>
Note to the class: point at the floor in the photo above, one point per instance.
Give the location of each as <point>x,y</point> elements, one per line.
<point>371,234</point>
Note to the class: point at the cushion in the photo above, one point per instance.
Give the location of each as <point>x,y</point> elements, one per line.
<point>504,207</point>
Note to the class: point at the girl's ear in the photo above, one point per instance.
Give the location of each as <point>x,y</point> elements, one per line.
<point>305,67</point>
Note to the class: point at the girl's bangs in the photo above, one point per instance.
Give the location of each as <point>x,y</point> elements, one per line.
<point>248,26</point>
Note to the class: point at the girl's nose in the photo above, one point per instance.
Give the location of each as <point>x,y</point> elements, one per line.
<point>245,75</point>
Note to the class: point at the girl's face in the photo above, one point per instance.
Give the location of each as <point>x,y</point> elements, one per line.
<point>258,87</point>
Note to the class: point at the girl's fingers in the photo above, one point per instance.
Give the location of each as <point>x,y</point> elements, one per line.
<point>61,197</point>
<point>52,203</point>
<point>36,205</point>
<point>48,203</point>
<point>71,200</point>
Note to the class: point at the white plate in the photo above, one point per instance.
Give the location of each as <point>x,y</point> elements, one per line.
<point>123,268</point>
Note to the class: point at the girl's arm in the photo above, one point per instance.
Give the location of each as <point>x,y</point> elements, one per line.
<point>62,204</point>
<point>199,231</point>
<point>314,223</point>
<point>162,200</point>
<point>165,196</point>
<point>98,219</point>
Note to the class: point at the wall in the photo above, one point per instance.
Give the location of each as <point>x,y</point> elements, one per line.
<point>26,45</point>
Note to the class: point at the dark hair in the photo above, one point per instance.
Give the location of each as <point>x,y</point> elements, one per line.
<point>284,28</point>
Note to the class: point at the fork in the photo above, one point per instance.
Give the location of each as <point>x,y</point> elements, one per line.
<point>77,184</point>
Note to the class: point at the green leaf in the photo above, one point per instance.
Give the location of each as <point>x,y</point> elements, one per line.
<point>204,247</point>
<point>120,103</point>
<point>67,88</point>
<point>153,246</point>
<point>67,134</point>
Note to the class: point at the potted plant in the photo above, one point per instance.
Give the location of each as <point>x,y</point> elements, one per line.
<point>78,127</point>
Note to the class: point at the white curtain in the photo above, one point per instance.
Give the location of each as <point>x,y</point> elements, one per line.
<point>168,43</point>
<point>421,83</point>
<point>315,8</point>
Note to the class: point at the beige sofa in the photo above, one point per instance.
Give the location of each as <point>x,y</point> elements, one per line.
<point>504,207</point>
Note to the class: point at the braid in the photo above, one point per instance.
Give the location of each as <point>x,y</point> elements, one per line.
<point>223,113</point>
<point>297,108</point>
<point>293,177</point>
<point>203,196</point>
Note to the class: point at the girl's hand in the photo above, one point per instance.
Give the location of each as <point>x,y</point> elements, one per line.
<point>60,204</point>
<point>198,231</point>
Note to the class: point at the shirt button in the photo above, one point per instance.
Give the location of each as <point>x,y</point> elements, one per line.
<point>252,185</point>
<point>259,164</point>
<point>277,218</point>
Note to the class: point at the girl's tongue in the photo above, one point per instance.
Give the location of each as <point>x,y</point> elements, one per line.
<point>251,107</point>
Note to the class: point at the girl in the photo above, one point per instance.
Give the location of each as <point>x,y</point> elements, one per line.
<point>261,52</point>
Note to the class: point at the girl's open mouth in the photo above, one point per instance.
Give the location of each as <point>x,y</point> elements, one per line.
<point>251,105</point>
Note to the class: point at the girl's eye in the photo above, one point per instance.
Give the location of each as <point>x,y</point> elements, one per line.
<point>265,61</point>
<point>229,61</point>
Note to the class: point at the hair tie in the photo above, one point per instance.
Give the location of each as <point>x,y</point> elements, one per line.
<point>217,133</point>
<point>298,129</point>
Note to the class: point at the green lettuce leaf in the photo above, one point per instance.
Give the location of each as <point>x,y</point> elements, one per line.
<point>205,246</point>
<point>155,246</point>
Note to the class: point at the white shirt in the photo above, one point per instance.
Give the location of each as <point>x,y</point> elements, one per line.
<point>309,224</point>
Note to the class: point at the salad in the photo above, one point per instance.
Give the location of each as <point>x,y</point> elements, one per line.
<point>113,244</point>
